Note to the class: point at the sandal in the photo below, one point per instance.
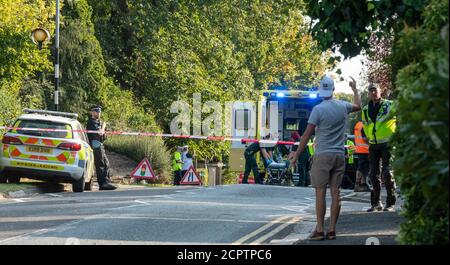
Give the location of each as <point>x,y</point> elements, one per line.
<point>316,236</point>
<point>331,235</point>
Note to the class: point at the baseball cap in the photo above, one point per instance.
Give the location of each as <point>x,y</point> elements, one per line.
<point>326,87</point>
<point>372,86</point>
<point>96,108</point>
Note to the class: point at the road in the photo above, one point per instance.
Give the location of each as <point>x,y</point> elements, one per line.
<point>229,214</point>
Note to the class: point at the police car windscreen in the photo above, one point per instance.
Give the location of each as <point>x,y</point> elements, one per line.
<point>44,125</point>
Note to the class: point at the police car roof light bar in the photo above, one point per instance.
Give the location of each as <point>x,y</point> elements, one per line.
<point>53,113</point>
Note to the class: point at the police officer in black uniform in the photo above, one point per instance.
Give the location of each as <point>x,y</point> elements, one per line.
<point>96,142</point>
<point>250,163</point>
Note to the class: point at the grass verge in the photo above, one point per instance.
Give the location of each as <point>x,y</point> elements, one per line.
<point>10,187</point>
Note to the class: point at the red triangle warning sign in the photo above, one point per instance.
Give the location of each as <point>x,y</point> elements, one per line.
<point>191,177</point>
<point>143,170</point>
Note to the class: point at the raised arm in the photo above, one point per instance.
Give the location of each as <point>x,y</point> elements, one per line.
<point>356,98</point>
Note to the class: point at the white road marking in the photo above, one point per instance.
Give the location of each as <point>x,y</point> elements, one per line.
<point>142,202</point>
<point>161,196</point>
<point>41,231</point>
<point>54,195</point>
<point>258,241</point>
<point>298,209</point>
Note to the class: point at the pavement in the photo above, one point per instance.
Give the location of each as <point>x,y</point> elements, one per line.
<point>362,227</point>
<point>228,214</point>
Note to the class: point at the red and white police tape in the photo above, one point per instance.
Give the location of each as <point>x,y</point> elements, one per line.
<point>164,135</point>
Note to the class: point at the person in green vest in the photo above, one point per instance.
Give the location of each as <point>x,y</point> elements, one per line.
<point>311,147</point>
<point>349,182</point>
<point>379,121</point>
<point>350,151</point>
<point>177,165</point>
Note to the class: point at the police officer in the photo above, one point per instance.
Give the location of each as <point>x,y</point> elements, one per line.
<point>379,119</point>
<point>177,165</point>
<point>96,141</point>
<point>303,167</point>
<point>250,163</point>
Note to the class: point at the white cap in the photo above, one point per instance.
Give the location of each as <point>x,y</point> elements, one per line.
<point>326,87</point>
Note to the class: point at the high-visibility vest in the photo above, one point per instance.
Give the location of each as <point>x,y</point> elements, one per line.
<point>311,147</point>
<point>350,150</point>
<point>384,126</point>
<point>175,164</point>
<point>361,146</point>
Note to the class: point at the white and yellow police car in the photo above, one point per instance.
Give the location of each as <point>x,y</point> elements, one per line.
<point>60,153</point>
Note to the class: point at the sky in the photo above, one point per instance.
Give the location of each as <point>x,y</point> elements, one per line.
<point>349,67</point>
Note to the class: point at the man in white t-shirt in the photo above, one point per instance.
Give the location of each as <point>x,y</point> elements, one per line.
<point>328,120</point>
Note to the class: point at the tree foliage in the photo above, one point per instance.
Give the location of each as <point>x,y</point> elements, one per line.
<point>348,24</point>
<point>379,71</point>
<point>20,59</point>
<point>226,50</point>
<point>422,162</point>
<point>417,56</point>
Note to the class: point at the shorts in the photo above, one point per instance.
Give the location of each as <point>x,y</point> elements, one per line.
<point>327,168</point>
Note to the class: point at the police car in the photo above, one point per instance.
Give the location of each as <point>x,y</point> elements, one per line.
<point>61,153</point>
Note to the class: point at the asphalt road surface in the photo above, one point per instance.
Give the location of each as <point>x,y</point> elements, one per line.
<point>229,214</point>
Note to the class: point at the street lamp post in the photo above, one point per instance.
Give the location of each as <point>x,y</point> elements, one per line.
<point>57,57</point>
<point>39,37</point>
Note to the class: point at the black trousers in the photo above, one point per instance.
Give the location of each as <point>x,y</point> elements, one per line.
<point>303,169</point>
<point>101,165</point>
<point>177,177</point>
<point>251,165</point>
<point>363,164</point>
<point>381,152</point>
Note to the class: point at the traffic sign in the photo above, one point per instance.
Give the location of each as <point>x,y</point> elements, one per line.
<point>143,170</point>
<point>191,177</point>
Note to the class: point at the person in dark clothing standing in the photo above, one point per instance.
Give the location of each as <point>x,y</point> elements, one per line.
<point>96,141</point>
<point>379,122</point>
<point>250,163</point>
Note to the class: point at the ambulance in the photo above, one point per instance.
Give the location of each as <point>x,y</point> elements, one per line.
<point>50,146</point>
<point>277,112</point>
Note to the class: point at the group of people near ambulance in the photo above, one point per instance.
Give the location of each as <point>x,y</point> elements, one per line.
<point>327,122</point>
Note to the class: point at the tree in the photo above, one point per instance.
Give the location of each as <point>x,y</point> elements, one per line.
<point>20,59</point>
<point>227,50</point>
<point>419,64</point>
<point>348,25</point>
<point>379,71</point>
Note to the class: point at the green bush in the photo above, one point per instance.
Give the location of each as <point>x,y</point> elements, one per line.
<point>229,177</point>
<point>421,142</point>
<point>137,148</point>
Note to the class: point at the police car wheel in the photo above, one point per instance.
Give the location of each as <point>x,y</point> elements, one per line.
<point>3,178</point>
<point>89,185</point>
<point>78,185</point>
